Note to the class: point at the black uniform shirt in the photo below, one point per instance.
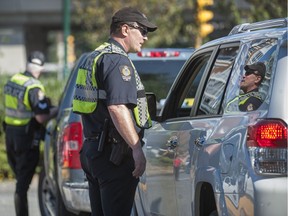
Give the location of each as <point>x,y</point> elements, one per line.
<point>252,103</point>
<point>40,104</point>
<point>115,75</point>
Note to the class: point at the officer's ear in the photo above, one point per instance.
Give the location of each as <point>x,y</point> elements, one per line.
<point>258,80</point>
<point>125,29</point>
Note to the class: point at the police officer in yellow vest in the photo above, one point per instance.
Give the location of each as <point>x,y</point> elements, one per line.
<point>251,98</point>
<point>111,99</point>
<point>26,110</point>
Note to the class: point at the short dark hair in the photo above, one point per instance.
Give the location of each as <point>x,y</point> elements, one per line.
<point>114,28</point>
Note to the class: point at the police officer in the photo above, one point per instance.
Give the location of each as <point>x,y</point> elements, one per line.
<point>250,98</point>
<point>111,99</point>
<point>26,110</point>
<point>253,77</point>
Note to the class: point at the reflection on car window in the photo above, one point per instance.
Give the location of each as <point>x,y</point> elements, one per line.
<point>216,84</point>
<point>264,50</point>
<point>261,52</point>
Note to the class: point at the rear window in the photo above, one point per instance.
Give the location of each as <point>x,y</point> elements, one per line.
<point>158,75</point>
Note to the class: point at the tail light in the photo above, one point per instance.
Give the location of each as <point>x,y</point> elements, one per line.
<point>267,143</point>
<point>159,54</point>
<point>72,143</point>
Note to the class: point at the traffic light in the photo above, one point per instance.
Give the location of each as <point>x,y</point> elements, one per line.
<point>203,16</point>
<point>70,49</point>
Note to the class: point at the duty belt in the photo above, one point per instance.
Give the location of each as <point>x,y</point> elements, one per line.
<point>94,138</point>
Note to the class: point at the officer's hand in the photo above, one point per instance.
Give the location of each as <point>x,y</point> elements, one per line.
<point>140,162</point>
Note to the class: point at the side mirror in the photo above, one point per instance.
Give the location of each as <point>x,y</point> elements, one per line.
<point>152,104</point>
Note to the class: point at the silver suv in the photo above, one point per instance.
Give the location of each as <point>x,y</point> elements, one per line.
<point>209,157</point>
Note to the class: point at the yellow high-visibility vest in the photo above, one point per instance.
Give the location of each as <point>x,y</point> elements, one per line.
<point>18,111</point>
<point>87,92</point>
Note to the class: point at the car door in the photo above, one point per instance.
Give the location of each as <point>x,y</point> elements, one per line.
<point>158,191</point>
<point>203,133</point>
<point>186,129</point>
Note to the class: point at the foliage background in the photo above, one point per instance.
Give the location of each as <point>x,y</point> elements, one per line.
<point>176,19</point>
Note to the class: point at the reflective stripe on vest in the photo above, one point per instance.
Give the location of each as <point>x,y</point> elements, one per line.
<point>234,104</point>
<point>141,112</point>
<point>17,107</point>
<point>87,93</point>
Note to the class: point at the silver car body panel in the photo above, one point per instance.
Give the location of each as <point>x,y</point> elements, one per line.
<point>213,150</point>
<point>77,196</point>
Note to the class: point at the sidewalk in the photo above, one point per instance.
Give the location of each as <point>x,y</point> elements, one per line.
<point>7,189</point>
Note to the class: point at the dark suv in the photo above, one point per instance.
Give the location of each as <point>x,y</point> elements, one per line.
<point>63,189</point>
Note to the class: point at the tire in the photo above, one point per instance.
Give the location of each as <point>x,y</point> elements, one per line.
<point>46,197</point>
<point>50,201</point>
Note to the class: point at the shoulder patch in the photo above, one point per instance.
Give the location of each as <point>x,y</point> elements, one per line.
<point>125,72</point>
<point>250,107</point>
<point>42,106</point>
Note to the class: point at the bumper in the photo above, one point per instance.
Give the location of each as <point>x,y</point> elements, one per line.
<point>271,196</point>
<point>77,196</point>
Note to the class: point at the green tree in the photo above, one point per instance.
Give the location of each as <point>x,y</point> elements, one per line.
<point>91,20</point>
<point>267,9</point>
<point>176,19</point>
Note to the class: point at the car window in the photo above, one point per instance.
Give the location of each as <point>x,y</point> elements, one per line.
<point>182,99</point>
<point>215,88</point>
<point>67,95</point>
<point>260,50</point>
<point>264,50</point>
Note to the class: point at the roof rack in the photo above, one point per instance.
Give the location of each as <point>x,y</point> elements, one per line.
<point>247,27</point>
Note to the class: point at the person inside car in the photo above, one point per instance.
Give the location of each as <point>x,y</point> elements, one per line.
<point>251,98</point>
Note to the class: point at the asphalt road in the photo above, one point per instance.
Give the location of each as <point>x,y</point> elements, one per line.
<point>7,189</point>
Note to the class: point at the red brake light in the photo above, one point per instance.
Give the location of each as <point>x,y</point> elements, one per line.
<point>72,143</point>
<point>268,133</point>
<point>159,54</point>
<point>267,145</point>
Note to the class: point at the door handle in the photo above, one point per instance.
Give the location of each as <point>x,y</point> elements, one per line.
<point>172,142</point>
<point>199,141</point>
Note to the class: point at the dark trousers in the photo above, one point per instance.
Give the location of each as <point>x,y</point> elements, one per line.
<point>111,188</point>
<point>23,160</point>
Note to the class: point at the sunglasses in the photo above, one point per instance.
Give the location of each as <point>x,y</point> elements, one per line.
<point>249,72</point>
<point>143,30</point>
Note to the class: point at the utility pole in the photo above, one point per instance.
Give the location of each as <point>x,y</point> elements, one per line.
<point>66,29</point>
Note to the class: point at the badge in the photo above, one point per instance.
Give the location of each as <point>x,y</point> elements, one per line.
<point>125,72</point>
<point>42,105</point>
<point>41,95</point>
<point>250,107</point>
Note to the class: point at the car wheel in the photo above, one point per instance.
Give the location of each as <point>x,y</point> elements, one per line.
<point>46,196</point>
<point>50,201</point>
